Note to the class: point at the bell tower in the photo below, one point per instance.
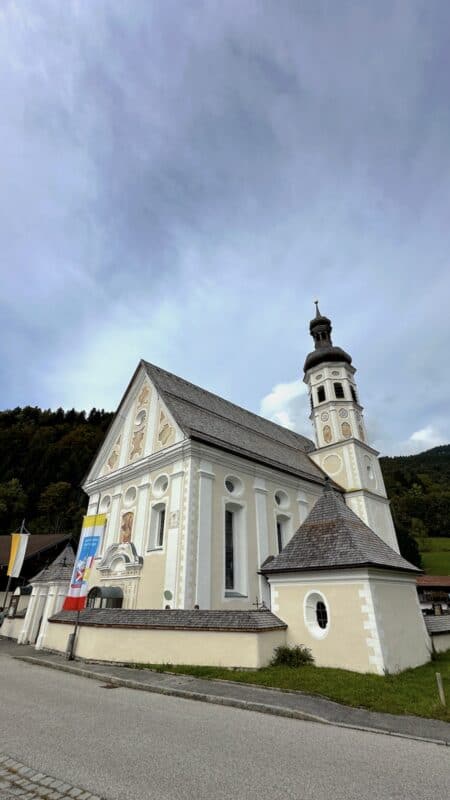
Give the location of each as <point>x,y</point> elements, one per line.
<point>338,421</point>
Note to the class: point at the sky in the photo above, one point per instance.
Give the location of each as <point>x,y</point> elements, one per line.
<point>181,180</point>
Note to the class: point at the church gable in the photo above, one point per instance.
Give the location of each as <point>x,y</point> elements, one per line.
<point>142,425</point>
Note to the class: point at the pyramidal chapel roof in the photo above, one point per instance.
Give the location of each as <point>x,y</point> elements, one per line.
<point>333,536</point>
<point>59,570</point>
<point>209,418</point>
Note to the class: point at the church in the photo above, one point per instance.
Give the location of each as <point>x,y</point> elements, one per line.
<point>218,518</point>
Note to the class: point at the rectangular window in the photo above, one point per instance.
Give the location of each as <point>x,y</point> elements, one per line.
<point>161,523</point>
<point>279,536</point>
<point>321,394</point>
<point>229,550</point>
<point>339,391</point>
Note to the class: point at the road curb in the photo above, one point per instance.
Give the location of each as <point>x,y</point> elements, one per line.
<point>233,702</point>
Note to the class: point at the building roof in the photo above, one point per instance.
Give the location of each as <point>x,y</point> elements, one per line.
<point>438,625</point>
<point>334,537</point>
<point>209,418</point>
<point>37,543</point>
<point>59,570</point>
<point>434,581</point>
<point>175,619</point>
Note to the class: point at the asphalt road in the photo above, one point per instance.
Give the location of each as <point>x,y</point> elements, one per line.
<point>122,744</point>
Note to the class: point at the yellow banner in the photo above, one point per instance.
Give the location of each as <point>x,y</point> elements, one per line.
<point>94,520</point>
<point>19,543</point>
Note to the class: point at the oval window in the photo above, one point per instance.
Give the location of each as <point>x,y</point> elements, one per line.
<point>233,485</point>
<point>160,486</point>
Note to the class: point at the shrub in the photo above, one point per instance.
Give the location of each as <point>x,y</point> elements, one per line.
<point>295,656</point>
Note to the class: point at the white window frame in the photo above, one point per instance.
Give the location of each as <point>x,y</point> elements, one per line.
<point>310,615</point>
<point>286,529</point>
<point>155,516</point>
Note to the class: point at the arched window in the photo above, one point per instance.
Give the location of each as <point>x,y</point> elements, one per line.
<point>353,393</point>
<point>320,394</point>
<point>338,391</point>
<point>234,551</point>
<point>283,535</point>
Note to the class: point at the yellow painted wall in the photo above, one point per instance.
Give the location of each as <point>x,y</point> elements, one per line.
<point>345,643</point>
<point>205,648</point>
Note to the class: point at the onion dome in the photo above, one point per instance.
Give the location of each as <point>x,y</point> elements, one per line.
<point>320,329</point>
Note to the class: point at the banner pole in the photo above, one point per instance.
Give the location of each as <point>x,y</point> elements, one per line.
<point>71,653</point>
<point>7,590</point>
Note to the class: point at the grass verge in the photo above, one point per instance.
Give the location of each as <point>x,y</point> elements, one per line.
<point>411,692</point>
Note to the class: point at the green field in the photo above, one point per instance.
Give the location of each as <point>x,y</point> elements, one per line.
<point>435,552</point>
<point>411,692</point>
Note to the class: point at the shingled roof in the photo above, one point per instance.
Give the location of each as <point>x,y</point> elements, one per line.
<point>59,570</point>
<point>37,544</point>
<point>209,418</point>
<point>334,537</point>
<point>175,619</point>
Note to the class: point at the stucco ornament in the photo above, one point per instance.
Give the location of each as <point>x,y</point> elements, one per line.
<point>113,456</point>
<point>165,431</point>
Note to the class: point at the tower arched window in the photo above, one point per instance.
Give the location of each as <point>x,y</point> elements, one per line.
<point>321,394</point>
<point>353,393</point>
<point>339,391</point>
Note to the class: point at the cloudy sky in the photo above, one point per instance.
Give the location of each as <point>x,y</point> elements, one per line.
<point>180,179</point>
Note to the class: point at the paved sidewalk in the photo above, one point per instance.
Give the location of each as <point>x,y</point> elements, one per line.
<point>19,781</point>
<point>239,695</point>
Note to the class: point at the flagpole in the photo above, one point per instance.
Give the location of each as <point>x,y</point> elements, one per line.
<point>9,576</point>
<point>71,653</point>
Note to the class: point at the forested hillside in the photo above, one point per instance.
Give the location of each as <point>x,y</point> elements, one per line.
<point>44,456</point>
<point>419,489</point>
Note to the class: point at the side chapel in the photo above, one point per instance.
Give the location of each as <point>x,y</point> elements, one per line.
<point>212,507</point>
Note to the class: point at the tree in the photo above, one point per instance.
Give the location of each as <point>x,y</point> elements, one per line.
<point>13,501</point>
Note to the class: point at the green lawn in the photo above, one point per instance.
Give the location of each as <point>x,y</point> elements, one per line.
<point>436,555</point>
<point>411,692</point>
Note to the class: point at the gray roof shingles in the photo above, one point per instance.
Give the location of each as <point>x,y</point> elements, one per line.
<point>59,570</point>
<point>207,417</point>
<point>175,619</point>
<point>333,537</point>
<point>437,625</point>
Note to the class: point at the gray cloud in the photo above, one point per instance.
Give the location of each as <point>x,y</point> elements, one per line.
<point>180,180</point>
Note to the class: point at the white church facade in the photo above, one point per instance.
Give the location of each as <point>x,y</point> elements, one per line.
<point>212,507</point>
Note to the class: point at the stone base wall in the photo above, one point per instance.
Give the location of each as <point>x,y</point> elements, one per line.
<point>153,646</point>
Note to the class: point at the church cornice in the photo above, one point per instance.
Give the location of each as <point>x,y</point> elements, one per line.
<point>341,442</point>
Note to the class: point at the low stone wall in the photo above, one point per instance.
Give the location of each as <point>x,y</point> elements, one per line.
<point>12,626</point>
<point>441,642</point>
<point>223,639</point>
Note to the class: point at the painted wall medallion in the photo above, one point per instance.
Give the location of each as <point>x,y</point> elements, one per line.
<point>324,416</point>
<point>343,413</point>
<point>326,432</point>
<point>346,430</point>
